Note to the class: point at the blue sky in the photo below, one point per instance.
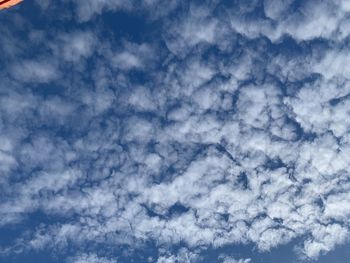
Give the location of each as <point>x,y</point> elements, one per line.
<point>175,131</point>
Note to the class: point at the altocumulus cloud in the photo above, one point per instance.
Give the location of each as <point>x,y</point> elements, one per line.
<point>217,124</point>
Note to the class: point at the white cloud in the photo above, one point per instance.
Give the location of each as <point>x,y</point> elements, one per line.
<point>228,259</point>
<point>77,45</point>
<point>223,144</point>
<point>35,71</point>
<point>183,256</point>
<point>91,258</point>
<point>309,21</point>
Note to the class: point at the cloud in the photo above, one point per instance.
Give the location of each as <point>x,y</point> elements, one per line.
<point>308,21</point>
<point>77,45</point>
<point>35,71</point>
<point>91,258</point>
<point>228,259</point>
<point>183,256</point>
<point>133,56</point>
<point>221,131</point>
<point>88,10</point>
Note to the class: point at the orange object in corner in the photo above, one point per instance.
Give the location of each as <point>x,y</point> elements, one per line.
<point>8,3</point>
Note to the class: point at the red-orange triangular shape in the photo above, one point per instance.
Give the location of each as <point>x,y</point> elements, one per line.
<point>8,3</point>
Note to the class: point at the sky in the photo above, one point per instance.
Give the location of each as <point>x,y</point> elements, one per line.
<point>175,131</point>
